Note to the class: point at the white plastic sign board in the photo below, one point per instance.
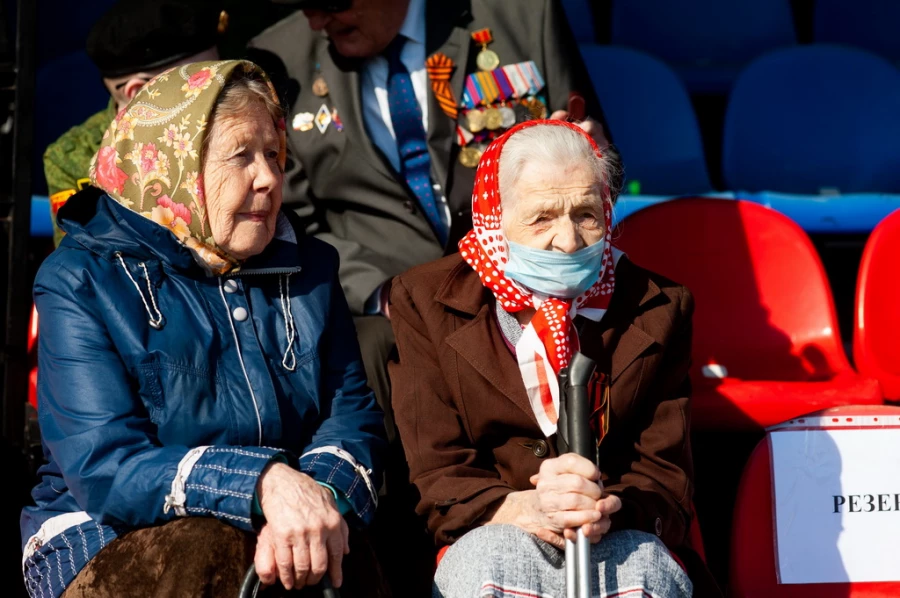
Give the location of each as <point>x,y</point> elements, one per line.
<point>837,504</point>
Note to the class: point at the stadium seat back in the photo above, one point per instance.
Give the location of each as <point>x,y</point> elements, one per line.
<point>876,350</point>
<point>651,119</point>
<point>703,32</point>
<point>867,24</point>
<point>764,309</point>
<point>814,119</point>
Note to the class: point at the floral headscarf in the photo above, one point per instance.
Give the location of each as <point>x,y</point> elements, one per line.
<point>549,339</point>
<point>149,160</point>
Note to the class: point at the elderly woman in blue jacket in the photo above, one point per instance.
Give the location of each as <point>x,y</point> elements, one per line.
<point>200,382</point>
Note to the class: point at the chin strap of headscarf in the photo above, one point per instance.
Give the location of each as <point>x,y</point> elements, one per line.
<point>550,338</point>
<point>150,159</point>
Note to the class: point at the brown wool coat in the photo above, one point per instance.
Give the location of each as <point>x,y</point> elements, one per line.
<point>469,432</point>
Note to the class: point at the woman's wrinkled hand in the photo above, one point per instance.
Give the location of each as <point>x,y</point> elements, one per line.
<point>567,496</point>
<point>304,536</point>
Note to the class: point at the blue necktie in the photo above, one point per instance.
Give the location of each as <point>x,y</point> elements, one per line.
<point>412,145</point>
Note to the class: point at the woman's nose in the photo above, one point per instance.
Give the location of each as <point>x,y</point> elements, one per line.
<point>266,178</point>
<point>567,238</point>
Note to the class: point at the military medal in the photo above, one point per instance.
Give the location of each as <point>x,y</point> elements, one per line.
<point>493,120</point>
<point>475,120</point>
<point>469,156</point>
<point>508,116</point>
<point>487,60</point>
<point>303,121</point>
<point>536,108</point>
<point>323,118</point>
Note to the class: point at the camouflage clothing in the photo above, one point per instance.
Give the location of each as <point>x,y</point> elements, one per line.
<point>68,159</point>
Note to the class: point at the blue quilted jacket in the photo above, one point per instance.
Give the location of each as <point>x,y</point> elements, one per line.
<point>164,392</point>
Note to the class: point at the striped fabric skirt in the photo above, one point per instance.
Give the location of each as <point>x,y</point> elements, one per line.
<point>505,561</point>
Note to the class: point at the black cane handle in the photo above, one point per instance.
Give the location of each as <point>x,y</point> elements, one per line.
<point>578,404</point>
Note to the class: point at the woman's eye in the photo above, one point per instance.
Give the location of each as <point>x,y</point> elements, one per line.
<point>272,154</point>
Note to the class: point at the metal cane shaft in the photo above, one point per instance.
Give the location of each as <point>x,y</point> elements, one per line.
<point>571,570</point>
<point>578,413</point>
<point>583,551</point>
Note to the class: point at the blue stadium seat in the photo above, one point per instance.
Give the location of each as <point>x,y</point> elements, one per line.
<point>651,119</point>
<point>581,20</point>
<point>69,90</point>
<point>868,24</point>
<point>706,41</point>
<point>815,119</point>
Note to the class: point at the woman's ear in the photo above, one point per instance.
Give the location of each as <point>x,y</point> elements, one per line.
<point>132,87</point>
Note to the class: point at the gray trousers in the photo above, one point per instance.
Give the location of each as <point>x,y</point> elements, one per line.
<point>505,561</point>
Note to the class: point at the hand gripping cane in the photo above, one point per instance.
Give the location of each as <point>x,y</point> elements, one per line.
<point>574,435</point>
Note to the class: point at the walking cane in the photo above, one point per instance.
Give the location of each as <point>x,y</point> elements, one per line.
<point>250,586</point>
<point>574,435</point>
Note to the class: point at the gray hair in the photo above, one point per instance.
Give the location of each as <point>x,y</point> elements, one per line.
<point>243,89</point>
<point>554,145</point>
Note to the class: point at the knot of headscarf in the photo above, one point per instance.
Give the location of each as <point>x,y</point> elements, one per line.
<point>150,159</point>
<point>547,343</point>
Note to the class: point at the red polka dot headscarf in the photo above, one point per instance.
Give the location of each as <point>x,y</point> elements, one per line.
<point>549,339</point>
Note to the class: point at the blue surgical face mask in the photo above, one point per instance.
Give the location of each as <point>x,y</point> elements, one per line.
<point>554,273</point>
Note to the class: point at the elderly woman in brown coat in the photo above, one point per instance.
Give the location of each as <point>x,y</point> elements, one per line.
<point>482,336</point>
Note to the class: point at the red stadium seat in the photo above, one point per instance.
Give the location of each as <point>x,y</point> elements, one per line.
<point>32,357</point>
<point>752,572</point>
<point>876,351</point>
<point>766,343</point>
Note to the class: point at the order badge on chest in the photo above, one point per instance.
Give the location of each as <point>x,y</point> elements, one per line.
<point>494,99</point>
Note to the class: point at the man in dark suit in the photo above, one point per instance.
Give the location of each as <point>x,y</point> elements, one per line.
<point>389,104</point>
<point>350,180</point>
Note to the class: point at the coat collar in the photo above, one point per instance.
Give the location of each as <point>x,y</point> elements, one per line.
<point>480,342</point>
<point>447,33</point>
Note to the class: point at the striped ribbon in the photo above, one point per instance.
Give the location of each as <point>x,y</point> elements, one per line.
<point>490,91</point>
<point>439,68</point>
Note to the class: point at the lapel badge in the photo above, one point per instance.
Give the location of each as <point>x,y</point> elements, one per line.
<point>302,121</point>
<point>319,86</point>
<point>338,124</point>
<point>323,118</point>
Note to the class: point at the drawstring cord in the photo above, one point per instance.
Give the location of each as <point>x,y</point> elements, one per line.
<point>156,321</point>
<point>289,329</point>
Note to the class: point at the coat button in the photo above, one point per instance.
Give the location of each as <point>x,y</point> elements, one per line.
<point>658,526</point>
<point>540,449</point>
<point>240,314</point>
<point>410,206</point>
<point>230,286</point>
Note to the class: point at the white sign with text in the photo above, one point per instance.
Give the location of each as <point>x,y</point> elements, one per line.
<point>837,504</point>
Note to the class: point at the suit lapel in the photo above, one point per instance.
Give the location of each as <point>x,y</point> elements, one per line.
<point>345,91</point>
<point>480,343</point>
<point>446,33</point>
